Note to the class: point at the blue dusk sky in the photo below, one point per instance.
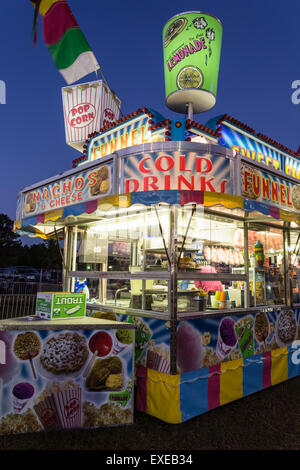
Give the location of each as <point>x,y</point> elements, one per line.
<point>259,62</point>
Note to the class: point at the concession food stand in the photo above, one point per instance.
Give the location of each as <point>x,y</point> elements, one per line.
<point>190,233</point>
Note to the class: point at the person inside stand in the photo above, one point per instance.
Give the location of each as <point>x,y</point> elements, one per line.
<point>209,286</point>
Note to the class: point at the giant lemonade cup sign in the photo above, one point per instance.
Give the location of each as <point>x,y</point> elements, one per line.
<point>192,47</point>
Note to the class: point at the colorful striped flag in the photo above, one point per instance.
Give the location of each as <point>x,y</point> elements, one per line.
<point>70,50</point>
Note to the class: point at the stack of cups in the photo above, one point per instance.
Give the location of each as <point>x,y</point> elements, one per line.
<point>215,300</point>
<point>228,305</point>
<point>222,301</point>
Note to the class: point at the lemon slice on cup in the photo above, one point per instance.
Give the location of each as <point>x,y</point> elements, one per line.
<point>174,29</point>
<point>189,77</point>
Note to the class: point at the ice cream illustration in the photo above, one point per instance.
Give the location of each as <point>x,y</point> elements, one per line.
<point>22,392</point>
<point>189,348</point>
<point>123,338</point>
<point>227,338</point>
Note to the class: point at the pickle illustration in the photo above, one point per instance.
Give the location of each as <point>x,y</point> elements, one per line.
<point>71,311</point>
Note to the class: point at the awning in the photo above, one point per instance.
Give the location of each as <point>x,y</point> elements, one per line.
<point>33,226</point>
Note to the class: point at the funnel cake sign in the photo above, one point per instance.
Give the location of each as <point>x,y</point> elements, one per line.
<point>265,187</point>
<point>135,132</point>
<point>177,171</point>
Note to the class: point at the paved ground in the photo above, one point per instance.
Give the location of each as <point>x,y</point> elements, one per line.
<point>267,420</point>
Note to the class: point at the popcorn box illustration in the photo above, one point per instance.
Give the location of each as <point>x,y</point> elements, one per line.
<point>158,358</point>
<point>60,305</point>
<point>69,408</point>
<point>47,413</point>
<point>60,406</point>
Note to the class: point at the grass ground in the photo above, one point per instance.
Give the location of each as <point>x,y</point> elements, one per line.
<point>267,420</point>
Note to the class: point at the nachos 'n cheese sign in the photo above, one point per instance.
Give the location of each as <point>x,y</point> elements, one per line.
<point>79,187</point>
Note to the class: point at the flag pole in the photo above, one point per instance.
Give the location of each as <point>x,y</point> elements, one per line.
<point>111,91</point>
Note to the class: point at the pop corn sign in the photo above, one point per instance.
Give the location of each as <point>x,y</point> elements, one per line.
<point>82,115</point>
<point>87,108</point>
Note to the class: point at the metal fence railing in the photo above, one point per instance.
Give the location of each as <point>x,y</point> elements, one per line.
<point>17,305</point>
<point>18,299</point>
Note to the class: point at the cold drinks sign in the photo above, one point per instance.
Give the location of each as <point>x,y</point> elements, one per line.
<point>176,170</point>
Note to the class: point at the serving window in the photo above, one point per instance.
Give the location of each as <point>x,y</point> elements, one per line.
<point>266,265</point>
<point>210,243</point>
<point>127,258</point>
<point>113,258</point>
<point>126,240</point>
<point>294,265</point>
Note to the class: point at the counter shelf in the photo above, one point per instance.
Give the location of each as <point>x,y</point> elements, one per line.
<point>88,323</point>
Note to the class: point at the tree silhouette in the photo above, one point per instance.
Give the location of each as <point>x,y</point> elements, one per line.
<point>44,255</point>
<point>10,242</point>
